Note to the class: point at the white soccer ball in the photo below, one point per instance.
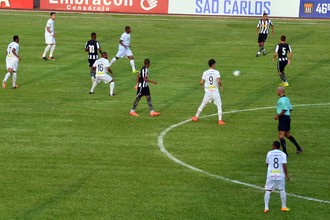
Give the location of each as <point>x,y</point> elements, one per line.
<point>237,73</point>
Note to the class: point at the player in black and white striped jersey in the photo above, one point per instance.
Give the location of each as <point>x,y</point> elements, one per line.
<point>92,47</point>
<point>262,31</point>
<point>284,53</point>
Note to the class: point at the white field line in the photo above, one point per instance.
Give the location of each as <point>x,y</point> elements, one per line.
<point>176,160</point>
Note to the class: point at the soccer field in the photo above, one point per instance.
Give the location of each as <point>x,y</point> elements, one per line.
<point>66,154</point>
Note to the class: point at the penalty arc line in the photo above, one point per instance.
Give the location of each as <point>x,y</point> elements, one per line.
<point>176,160</point>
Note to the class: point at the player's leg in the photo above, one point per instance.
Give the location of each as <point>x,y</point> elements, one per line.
<point>52,49</point>
<point>96,81</point>
<point>112,87</point>
<point>280,67</point>
<point>46,51</point>
<point>281,188</point>
<point>269,187</point>
<point>146,92</point>
<point>218,103</point>
<point>207,98</point>
<point>4,82</point>
<point>130,56</point>
<point>136,102</point>
<point>120,54</point>
<point>293,141</point>
<point>282,140</point>
<point>14,80</point>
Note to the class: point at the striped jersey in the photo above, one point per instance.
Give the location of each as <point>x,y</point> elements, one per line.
<point>92,46</point>
<point>282,51</point>
<point>264,26</point>
<point>144,73</point>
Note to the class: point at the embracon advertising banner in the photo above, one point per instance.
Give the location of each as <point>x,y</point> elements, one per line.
<point>128,6</point>
<point>278,8</point>
<point>315,9</point>
<point>16,4</point>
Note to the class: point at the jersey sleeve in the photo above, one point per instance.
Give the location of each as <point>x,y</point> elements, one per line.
<point>259,23</point>
<point>271,23</point>
<point>203,76</point>
<point>49,23</point>
<point>276,48</point>
<point>122,37</point>
<point>107,64</point>
<point>290,49</point>
<point>98,45</point>
<point>217,75</point>
<point>267,158</point>
<point>284,158</point>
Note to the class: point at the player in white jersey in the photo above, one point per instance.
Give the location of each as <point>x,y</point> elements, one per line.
<point>101,68</point>
<point>211,82</point>
<point>124,49</point>
<point>50,37</point>
<point>12,59</point>
<point>277,172</point>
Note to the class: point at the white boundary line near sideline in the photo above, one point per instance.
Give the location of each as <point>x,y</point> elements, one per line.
<point>170,156</point>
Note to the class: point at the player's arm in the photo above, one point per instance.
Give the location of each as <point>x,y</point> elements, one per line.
<point>290,56</point>
<point>201,83</point>
<point>121,42</point>
<point>279,115</point>
<point>137,81</point>
<point>220,84</point>
<point>275,53</point>
<point>149,80</point>
<point>273,30</point>
<point>13,51</point>
<point>285,168</point>
<point>86,47</point>
<point>109,70</point>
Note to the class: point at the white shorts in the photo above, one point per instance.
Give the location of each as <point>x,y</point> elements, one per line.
<point>12,63</point>
<point>105,78</point>
<point>49,39</point>
<point>123,52</point>
<point>212,96</point>
<point>275,184</point>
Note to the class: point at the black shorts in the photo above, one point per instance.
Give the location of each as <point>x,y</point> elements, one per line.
<point>262,37</point>
<point>281,65</point>
<point>284,123</point>
<point>143,91</point>
<point>91,62</point>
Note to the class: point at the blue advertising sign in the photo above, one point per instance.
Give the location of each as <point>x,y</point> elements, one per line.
<point>314,8</point>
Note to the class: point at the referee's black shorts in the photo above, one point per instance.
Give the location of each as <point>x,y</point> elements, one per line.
<point>143,91</point>
<point>284,123</point>
<point>281,65</point>
<point>262,37</point>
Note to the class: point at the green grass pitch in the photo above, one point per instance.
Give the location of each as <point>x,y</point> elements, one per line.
<point>66,154</point>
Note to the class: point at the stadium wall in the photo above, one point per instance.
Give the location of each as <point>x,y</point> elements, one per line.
<point>248,8</point>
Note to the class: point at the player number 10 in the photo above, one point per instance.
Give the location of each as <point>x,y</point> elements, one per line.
<point>323,8</point>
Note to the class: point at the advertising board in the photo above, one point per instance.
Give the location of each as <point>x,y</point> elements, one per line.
<point>277,8</point>
<point>315,9</point>
<point>16,4</point>
<point>127,6</point>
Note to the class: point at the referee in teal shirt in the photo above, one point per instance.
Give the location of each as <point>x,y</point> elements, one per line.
<point>283,111</point>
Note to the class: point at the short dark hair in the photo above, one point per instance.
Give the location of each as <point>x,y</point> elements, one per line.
<point>264,14</point>
<point>211,62</point>
<point>104,53</point>
<point>277,144</point>
<point>283,38</point>
<point>15,38</point>
<point>52,13</point>
<point>127,27</point>
<point>146,61</point>
<point>93,34</point>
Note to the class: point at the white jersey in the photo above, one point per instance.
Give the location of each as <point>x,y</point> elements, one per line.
<point>275,160</point>
<point>211,83</point>
<point>126,40</point>
<point>50,24</point>
<point>101,65</point>
<point>11,46</point>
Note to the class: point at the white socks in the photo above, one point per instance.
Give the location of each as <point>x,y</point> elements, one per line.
<point>112,87</point>
<point>93,86</point>
<point>132,64</point>
<point>220,112</point>
<point>283,198</point>
<point>6,77</point>
<point>282,195</point>
<point>113,60</point>
<point>46,50</point>
<point>52,50</point>
<point>267,198</point>
<point>14,79</point>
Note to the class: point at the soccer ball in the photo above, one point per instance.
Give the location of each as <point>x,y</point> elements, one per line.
<point>237,73</point>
